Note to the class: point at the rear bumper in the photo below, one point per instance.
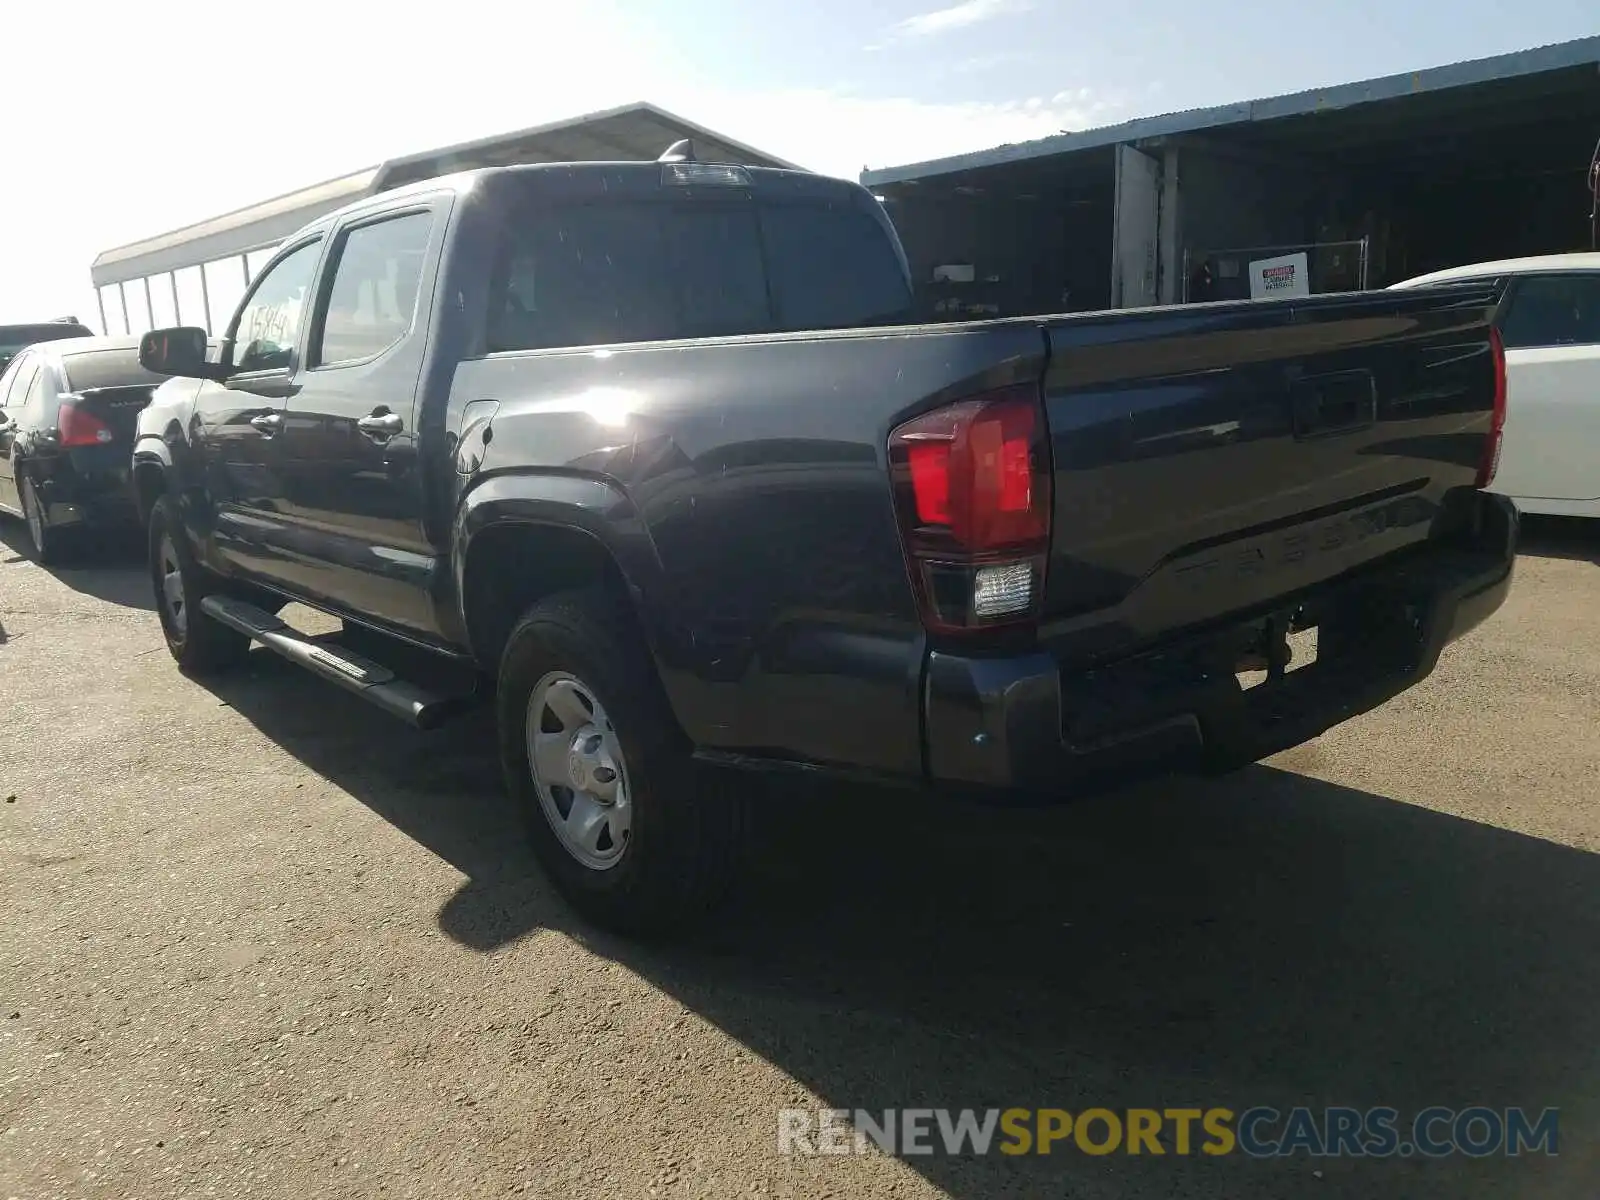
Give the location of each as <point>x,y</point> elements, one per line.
<point>1025,723</point>
<point>87,487</point>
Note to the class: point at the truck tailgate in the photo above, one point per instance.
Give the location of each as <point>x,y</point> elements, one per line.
<point>1211,460</point>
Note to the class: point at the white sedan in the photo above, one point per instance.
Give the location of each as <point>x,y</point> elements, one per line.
<point>1550,456</point>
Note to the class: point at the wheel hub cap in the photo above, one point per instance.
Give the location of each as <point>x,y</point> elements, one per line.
<point>172,588</point>
<point>578,771</point>
<point>30,500</point>
<point>589,765</point>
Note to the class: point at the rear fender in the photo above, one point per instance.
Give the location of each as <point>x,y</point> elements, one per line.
<point>595,507</point>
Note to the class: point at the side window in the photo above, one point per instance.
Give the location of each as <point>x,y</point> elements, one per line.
<point>586,275</point>
<point>714,254</point>
<point>832,266</point>
<point>583,275</point>
<point>13,380</point>
<point>22,389</point>
<point>1553,310</point>
<point>374,295</point>
<point>33,401</point>
<point>263,336</point>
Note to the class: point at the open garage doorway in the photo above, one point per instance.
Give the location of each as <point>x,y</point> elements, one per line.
<point>1406,185</point>
<point>1009,240</point>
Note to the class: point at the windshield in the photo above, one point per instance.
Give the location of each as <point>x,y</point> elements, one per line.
<point>591,274</point>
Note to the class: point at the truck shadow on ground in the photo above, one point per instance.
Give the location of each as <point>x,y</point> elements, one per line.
<point>105,565</point>
<point>1268,939</point>
<point>1560,537</point>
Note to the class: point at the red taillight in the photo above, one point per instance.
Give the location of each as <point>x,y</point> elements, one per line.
<point>79,428</point>
<point>930,481</point>
<point>972,493</point>
<point>1497,419</point>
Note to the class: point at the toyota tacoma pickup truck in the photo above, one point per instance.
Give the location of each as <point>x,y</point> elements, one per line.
<point>649,454</point>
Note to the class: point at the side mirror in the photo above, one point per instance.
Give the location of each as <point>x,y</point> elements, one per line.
<point>179,351</point>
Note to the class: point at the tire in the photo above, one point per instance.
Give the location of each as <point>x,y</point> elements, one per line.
<point>199,645</point>
<point>47,544</point>
<point>680,836</point>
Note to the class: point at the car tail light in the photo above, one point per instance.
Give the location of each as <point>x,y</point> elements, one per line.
<point>1497,419</point>
<point>973,498</point>
<point>76,427</point>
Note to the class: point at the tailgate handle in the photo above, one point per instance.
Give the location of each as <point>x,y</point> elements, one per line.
<point>1325,405</point>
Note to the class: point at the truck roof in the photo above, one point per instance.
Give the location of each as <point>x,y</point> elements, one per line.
<point>644,178</point>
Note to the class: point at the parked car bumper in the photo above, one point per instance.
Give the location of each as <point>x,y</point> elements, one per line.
<point>87,487</point>
<point>1027,724</point>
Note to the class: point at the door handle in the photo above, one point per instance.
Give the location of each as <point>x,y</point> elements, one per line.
<point>384,425</point>
<point>268,423</point>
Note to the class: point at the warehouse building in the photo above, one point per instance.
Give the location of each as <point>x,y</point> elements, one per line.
<point>1370,182</point>
<point>198,274</point>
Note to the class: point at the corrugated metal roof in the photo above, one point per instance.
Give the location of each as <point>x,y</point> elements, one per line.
<point>632,132</point>
<point>1560,56</point>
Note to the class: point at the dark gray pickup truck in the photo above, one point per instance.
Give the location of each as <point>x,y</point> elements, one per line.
<point>648,453</point>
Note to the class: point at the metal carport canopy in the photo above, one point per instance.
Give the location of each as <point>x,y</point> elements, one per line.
<point>630,133</point>
<point>234,233</point>
<point>1560,56</point>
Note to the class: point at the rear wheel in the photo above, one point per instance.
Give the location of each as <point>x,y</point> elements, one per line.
<point>198,644</point>
<point>631,833</point>
<point>46,542</point>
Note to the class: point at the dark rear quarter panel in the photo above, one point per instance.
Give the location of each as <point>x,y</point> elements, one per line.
<point>746,499</point>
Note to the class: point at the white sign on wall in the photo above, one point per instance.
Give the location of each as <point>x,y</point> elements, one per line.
<point>1283,276</point>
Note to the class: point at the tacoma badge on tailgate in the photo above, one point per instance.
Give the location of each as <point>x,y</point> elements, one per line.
<point>1295,545</point>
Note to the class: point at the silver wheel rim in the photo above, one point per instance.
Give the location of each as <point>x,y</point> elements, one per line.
<point>172,598</point>
<point>30,506</point>
<point>578,771</point>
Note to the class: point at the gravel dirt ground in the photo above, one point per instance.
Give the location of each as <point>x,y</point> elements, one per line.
<point>259,940</point>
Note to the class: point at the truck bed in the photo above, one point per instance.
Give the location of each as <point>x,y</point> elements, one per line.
<point>1206,462</point>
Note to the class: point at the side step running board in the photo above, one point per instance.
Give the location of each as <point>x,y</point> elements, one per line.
<point>367,679</point>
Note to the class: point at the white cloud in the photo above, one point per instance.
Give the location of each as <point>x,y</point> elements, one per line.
<point>959,16</point>
<point>979,63</point>
<point>839,133</point>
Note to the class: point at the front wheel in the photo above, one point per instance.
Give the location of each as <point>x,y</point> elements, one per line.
<point>615,811</point>
<point>198,644</point>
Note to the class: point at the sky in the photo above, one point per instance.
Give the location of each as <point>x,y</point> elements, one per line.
<point>127,120</point>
